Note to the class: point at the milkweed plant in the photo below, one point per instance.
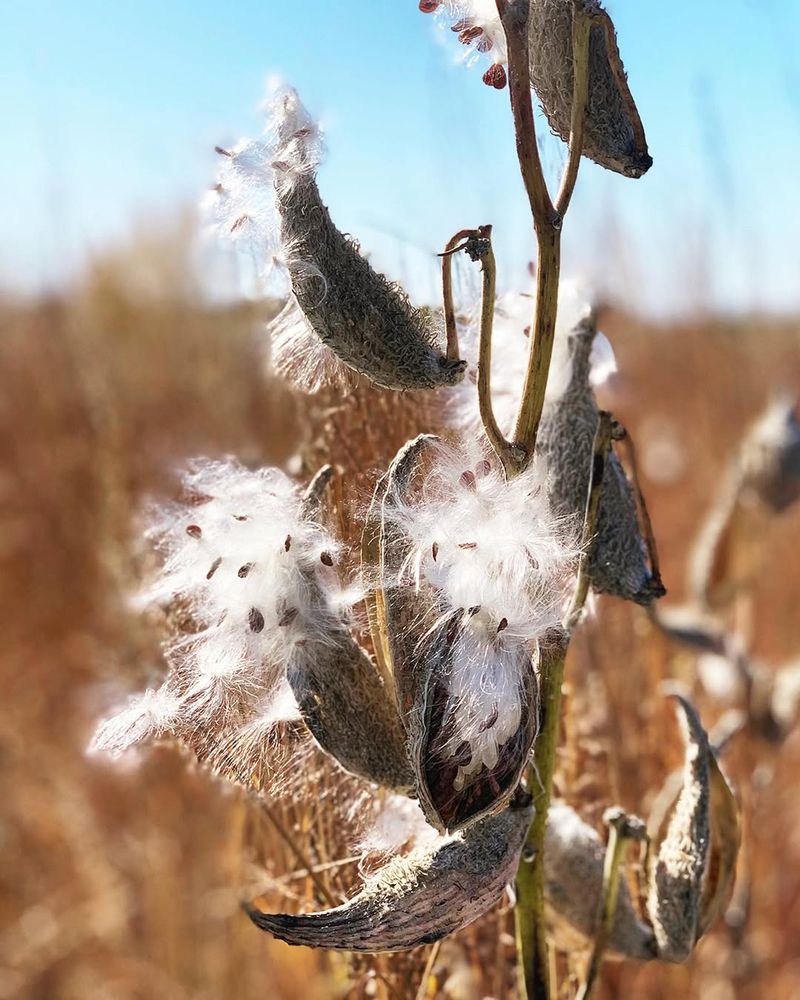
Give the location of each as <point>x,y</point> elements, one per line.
<point>479,548</point>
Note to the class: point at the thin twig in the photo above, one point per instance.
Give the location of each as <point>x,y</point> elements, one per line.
<point>447,294</point>
<point>581,28</point>
<point>621,829</point>
<point>424,990</point>
<point>290,842</point>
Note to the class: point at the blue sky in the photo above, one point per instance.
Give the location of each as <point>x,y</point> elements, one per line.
<point>110,113</point>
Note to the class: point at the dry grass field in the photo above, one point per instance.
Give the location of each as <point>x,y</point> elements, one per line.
<point>123,881</point>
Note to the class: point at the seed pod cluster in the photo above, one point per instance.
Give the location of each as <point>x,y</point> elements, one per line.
<point>613,132</point>
<point>618,563</point>
<point>364,319</point>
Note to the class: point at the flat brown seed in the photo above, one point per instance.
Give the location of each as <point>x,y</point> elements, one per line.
<point>255,620</point>
<point>244,570</point>
<point>194,531</point>
<point>326,559</point>
<point>214,567</point>
<point>288,543</point>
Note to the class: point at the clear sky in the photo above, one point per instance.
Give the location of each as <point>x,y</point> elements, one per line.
<point>110,112</point>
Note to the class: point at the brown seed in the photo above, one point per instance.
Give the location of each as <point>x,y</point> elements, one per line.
<point>503,625</point>
<point>244,570</point>
<point>495,76</point>
<point>482,469</point>
<point>287,617</point>
<point>474,610</point>
<point>194,530</point>
<point>468,545</point>
<point>429,6</point>
<point>256,620</point>
<point>468,35</point>
<point>214,567</point>
<point>467,479</point>
<point>223,152</point>
<point>240,517</point>
<point>326,559</point>
<point>241,221</point>
<point>288,543</point>
<point>435,550</point>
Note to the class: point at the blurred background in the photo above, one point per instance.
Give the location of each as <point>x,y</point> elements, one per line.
<point>129,342</point>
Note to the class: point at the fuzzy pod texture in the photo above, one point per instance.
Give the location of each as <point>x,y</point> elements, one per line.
<point>252,576</point>
<point>367,321</point>
<point>613,132</point>
<point>418,899</point>
<point>474,572</point>
<point>573,884</point>
<point>680,850</point>
<point>618,564</point>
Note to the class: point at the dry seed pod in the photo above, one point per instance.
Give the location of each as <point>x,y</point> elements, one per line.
<point>573,872</point>
<point>613,133</point>
<point>365,320</point>
<point>466,600</point>
<point>420,898</point>
<point>769,462</point>
<point>618,563</point>
<point>341,696</point>
<point>694,848</point>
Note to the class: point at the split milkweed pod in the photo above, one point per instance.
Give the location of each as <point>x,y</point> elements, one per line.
<point>618,564</point>
<point>342,698</point>
<point>420,898</point>
<point>367,321</point>
<point>462,618</point>
<point>613,134</point>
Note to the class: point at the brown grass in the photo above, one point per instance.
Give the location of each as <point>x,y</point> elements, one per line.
<point>123,882</point>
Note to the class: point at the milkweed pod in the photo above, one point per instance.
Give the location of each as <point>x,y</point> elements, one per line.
<point>467,690</point>
<point>368,322</point>
<point>694,847</point>
<point>618,564</point>
<point>343,699</point>
<point>770,457</point>
<point>613,132</point>
<point>573,887</point>
<point>419,898</point>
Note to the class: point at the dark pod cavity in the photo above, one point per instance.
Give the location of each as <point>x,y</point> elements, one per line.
<point>342,697</point>
<point>365,320</point>
<point>417,899</point>
<point>618,563</point>
<point>613,132</point>
<point>422,642</point>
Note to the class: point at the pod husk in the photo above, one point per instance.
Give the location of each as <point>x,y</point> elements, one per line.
<point>365,320</point>
<point>421,638</point>
<point>420,898</point>
<point>613,132</point>
<point>618,564</point>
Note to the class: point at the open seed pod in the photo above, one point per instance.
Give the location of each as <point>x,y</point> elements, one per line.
<point>619,564</point>
<point>613,133</point>
<point>695,843</point>
<point>364,319</point>
<point>419,898</point>
<point>473,575</point>
<point>342,698</point>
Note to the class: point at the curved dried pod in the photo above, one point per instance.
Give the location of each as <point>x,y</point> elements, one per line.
<point>464,673</point>
<point>419,898</point>
<point>769,460</point>
<point>573,872</point>
<point>694,847</point>
<point>342,697</point>
<point>618,564</point>
<point>613,133</point>
<point>364,319</point>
